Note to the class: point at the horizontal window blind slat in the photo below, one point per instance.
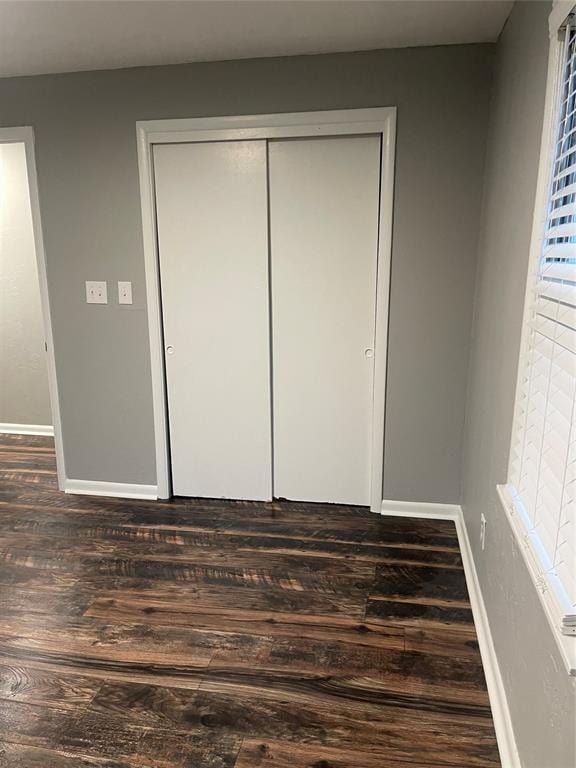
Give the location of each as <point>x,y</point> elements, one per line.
<point>558,271</point>
<point>565,338</point>
<point>570,189</point>
<point>556,312</point>
<point>566,315</point>
<point>565,171</point>
<point>542,358</point>
<point>567,229</point>
<point>557,291</point>
<point>563,210</point>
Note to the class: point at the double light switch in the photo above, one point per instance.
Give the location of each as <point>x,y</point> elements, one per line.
<point>124,292</point>
<point>97,292</point>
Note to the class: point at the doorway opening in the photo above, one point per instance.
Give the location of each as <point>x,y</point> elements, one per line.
<point>24,389</point>
<point>28,389</point>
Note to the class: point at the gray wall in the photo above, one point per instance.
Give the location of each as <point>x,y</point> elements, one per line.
<point>86,153</point>
<point>24,394</point>
<point>541,695</point>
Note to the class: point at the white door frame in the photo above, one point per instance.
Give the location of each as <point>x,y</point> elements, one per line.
<point>25,135</point>
<point>381,120</point>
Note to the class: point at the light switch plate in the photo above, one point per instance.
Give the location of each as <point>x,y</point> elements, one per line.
<point>96,292</point>
<point>124,292</point>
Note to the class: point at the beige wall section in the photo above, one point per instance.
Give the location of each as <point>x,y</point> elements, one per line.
<point>88,180</point>
<point>24,394</point>
<point>541,695</point>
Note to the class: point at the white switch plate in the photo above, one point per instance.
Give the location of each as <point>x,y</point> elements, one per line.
<point>96,292</point>
<point>124,292</point>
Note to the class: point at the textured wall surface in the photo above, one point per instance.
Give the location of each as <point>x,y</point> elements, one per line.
<point>541,695</point>
<point>24,395</point>
<point>89,195</point>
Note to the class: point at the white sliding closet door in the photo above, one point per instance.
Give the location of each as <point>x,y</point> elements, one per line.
<point>213,244</point>
<point>324,201</point>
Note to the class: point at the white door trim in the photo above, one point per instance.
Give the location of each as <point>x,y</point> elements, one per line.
<point>381,120</point>
<point>25,135</point>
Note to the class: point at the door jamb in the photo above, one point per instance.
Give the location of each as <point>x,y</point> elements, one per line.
<point>25,135</point>
<point>380,120</point>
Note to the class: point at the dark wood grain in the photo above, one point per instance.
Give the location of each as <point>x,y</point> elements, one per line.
<point>211,634</point>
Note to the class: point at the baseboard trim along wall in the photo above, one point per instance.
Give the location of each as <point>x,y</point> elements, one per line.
<point>120,490</point>
<point>498,702</point>
<point>27,429</point>
<point>421,509</point>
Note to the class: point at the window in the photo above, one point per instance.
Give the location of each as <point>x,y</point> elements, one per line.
<point>542,482</point>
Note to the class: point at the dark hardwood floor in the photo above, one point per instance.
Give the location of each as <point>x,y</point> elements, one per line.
<point>208,634</point>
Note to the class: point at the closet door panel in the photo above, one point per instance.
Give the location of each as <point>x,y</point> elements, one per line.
<point>213,246</point>
<point>324,202</point>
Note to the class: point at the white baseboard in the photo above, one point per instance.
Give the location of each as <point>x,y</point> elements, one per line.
<point>27,429</point>
<point>120,490</point>
<point>421,509</point>
<point>501,714</point>
<point>502,721</point>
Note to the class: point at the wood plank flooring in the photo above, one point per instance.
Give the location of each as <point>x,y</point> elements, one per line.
<point>209,634</point>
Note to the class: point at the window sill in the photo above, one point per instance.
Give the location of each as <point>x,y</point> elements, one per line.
<point>566,643</point>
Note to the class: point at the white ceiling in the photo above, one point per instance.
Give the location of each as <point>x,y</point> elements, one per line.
<point>41,36</point>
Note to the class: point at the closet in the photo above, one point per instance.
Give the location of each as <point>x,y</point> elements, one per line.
<point>268,268</point>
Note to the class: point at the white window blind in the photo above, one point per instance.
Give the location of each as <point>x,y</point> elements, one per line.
<point>543,461</point>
